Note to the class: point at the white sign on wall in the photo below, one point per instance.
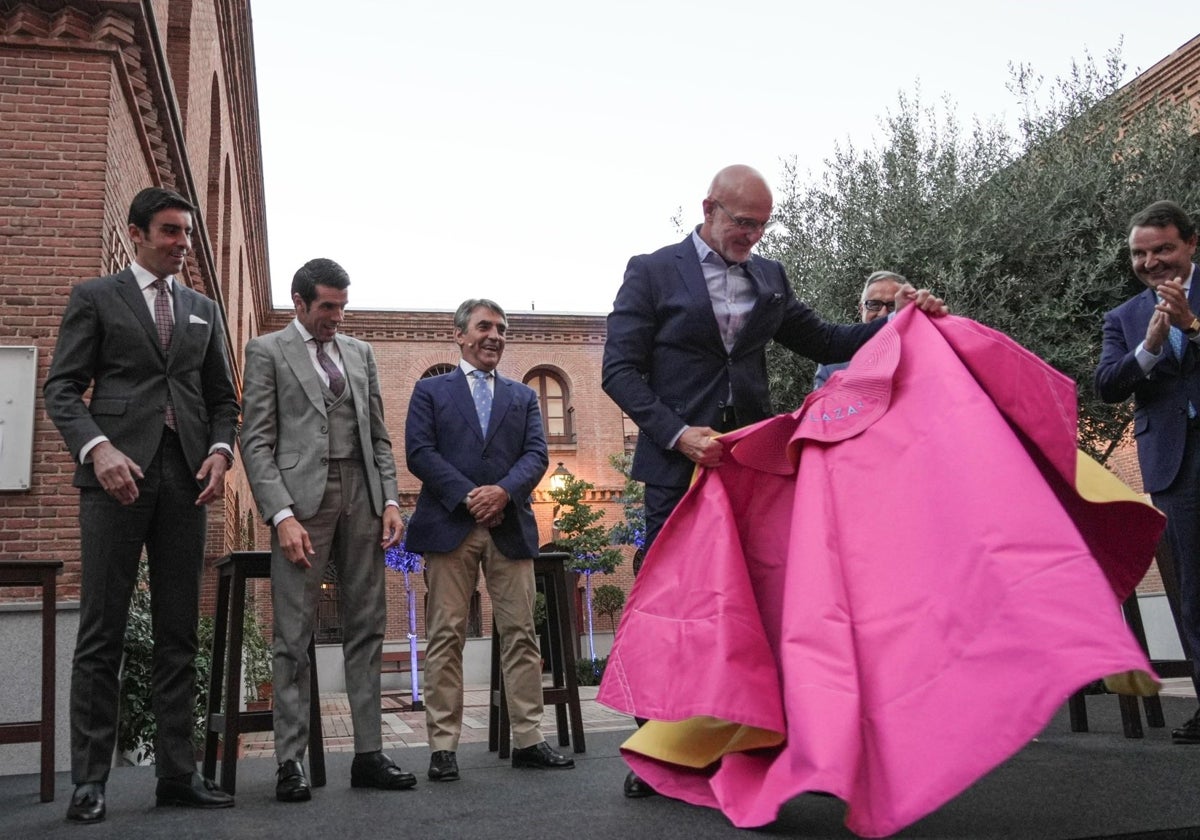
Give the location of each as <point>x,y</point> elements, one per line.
<point>18,389</point>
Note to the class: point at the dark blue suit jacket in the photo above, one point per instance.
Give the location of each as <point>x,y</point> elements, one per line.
<point>447,450</point>
<point>1160,398</point>
<point>665,364</point>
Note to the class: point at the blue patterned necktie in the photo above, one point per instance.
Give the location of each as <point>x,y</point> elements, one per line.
<point>1177,345</point>
<point>483,398</point>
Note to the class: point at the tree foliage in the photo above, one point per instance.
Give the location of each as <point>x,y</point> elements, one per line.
<point>1025,232</point>
<point>581,536</point>
<point>609,600</point>
<point>631,530</point>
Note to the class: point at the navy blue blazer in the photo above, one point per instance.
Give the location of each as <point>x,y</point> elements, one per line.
<point>449,453</point>
<point>665,364</point>
<point>1160,398</point>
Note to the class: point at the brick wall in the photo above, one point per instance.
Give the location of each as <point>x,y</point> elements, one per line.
<point>53,163</point>
<point>87,118</point>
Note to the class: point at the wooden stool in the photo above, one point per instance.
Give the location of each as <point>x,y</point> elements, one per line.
<point>563,692</point>
<point>224,728</point>
<point>38,573</point>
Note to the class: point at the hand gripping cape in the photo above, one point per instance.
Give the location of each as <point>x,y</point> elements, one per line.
<point>918,555</point>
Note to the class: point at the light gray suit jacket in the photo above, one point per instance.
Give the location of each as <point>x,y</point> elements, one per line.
<point>285,434</point>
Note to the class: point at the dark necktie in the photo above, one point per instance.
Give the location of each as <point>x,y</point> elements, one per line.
<point>166,328</point>
<point>483,398</point>
<point>337,382</point>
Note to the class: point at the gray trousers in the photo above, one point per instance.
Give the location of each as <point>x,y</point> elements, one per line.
<point>346,532</point>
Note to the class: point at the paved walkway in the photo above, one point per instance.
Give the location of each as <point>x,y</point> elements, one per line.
<point>407,729</point>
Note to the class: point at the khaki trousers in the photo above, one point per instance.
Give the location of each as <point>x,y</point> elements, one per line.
<point>451,579</point>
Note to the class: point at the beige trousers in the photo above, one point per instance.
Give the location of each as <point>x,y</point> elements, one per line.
<point>451,579</point>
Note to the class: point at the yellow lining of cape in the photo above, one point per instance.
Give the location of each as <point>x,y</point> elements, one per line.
<point>698,741</point>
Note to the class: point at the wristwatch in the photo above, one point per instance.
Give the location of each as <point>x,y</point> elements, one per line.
<point>1193,329</point>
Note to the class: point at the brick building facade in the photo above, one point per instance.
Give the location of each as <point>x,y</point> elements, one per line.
<point>100,98</point>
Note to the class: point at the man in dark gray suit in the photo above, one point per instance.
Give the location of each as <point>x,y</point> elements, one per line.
<point>320,463</point>
<point>152,445</point>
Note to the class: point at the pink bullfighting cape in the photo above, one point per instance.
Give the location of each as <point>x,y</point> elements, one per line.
<point>884,594</point>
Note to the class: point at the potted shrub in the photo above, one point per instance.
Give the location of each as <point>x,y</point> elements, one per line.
<point>257,666</point>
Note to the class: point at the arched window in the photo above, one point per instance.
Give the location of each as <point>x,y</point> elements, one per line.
<point>437,370</point>
<point>554,399</point>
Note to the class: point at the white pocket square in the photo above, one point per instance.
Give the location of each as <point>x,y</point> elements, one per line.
<point>196,319</point>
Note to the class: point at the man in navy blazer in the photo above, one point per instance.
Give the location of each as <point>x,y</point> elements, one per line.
<point>475,440</point>
<point>1151,352</point>
<point>685,355</point>
<point>151,445</point>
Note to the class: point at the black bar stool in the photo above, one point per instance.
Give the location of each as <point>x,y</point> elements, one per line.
<point>1131,720</point>
<point>225,727</point>
<point>563,692</point>
<point>41,573</point>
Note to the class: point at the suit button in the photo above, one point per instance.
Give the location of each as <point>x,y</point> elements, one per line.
<point>325,461</point>
<point>324,430</point>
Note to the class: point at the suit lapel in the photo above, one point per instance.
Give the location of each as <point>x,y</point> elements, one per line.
<point>1189,351</point>
<point>501,400</point>
<point>356,376</point>
<point>761,295</point>
<point>460,395</point>
<point>296,356</point>
<point>136,301</point>
<point>688,262</point>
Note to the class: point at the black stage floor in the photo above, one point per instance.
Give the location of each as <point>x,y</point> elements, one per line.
<point>1063,785</point>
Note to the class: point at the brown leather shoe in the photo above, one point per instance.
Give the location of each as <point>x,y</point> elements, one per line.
<point>541,756</point>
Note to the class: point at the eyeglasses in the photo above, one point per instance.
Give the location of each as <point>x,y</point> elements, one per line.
<point>747,225</point>
<point>876,305</point>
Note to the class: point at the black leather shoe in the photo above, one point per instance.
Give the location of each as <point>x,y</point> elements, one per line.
<point>1189,733</point>
<point>443,766</point>
<point>191,790</point>
<point>290,782</point>
<point>636,787</point>
<point>87,803</point>
<point>541,756</point>
<point>376,770</point>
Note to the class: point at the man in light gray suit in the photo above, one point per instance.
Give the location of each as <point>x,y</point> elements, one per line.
<point>320,463</point>
<point>151,445</point>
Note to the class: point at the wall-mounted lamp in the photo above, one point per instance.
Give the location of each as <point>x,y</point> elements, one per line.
<point>558,482</point>
<point>560,477</point>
